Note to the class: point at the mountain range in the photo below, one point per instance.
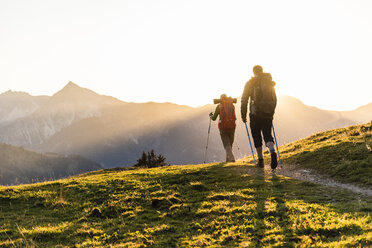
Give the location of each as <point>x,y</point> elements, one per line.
<point>19,165</point>
<point>114,133</point>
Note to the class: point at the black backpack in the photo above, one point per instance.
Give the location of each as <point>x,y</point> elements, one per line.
<point>264,97</point>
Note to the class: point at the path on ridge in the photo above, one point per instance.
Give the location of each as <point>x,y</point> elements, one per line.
<point>310,176</point>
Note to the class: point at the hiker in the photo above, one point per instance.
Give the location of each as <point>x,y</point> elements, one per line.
<point>226,124</point>
<point>261,93</point>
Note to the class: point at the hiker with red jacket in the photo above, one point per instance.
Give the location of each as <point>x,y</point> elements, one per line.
<point>226,124</point>
<point>261,93</point>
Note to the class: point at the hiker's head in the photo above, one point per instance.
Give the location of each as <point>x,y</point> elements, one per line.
<point>257,70</point>
<point>223,96</point>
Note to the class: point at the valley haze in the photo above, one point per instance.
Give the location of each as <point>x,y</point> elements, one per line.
<point>112,132</point>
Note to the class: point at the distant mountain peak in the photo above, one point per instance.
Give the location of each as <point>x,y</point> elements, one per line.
<point>290,100</point>
<point>14,93</point>
<point>367,107</point>
<point>83,96</point>
<point>72,89</point>
<point>71,85</point>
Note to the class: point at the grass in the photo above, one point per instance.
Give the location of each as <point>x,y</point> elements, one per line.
<point>343,154</point>
<point>218,205</point>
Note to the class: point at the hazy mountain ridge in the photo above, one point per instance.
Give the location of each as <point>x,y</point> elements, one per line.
<point>67,106</point>
<point>114,133</point>
<point>294,120</point>
<point>124,132</point>
<point>15,105</point>
<point>363,113</point>
<point>19,165</point>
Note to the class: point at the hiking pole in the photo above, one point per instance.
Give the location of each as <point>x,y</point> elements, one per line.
<point>206,147</point>
<point>250,144</point>
<point>276,144</point>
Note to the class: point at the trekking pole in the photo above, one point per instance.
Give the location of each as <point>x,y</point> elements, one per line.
<point>276,144</point>
<point>250,144</point>
<point>206,147</point>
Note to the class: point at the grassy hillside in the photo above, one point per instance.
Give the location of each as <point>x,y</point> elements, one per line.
<point>219,205</point>
<point>344,154</point>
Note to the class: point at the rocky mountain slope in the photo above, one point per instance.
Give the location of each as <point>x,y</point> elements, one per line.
<point>16,105</point>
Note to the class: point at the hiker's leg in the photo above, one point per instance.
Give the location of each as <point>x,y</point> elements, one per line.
<point>231,139</point>
<point>266,130</point>
<point>259,152</point>
<point>224,141</point>
<point>255,124</point>
<point>226,144</point>
<point>256,130</point>
<point>260,157</point>
<point>270,145</point>
<point>232,136</point>
<point>269,140</point>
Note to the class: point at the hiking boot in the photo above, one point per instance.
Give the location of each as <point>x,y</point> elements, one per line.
<point>274,160</point>
<point>260,163</point>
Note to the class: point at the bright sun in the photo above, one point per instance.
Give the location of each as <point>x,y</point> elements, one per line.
<point>190,52</point>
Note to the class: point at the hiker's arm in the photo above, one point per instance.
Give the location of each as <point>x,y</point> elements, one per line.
<point>244,101</point>
<point>216,113</point>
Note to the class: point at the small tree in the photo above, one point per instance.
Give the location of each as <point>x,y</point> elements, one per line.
<point>151,160</point>
<point>161,160</point>
<point>142,161</point>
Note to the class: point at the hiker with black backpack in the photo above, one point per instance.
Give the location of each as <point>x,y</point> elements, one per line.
<point>226,124</point>
<point>261,93</point>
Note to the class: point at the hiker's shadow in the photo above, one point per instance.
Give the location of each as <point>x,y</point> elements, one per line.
<point>270,210</point>
<point>282,211</point>
<point>260,198</point>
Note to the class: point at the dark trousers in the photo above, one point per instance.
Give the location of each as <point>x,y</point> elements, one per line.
<point>261,125</point>
<point>227,138</point>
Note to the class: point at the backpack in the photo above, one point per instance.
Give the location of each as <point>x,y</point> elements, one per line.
<point>227,115</point>
<point>264,97</point>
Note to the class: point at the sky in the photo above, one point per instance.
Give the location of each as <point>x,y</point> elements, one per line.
<point>189,52</point>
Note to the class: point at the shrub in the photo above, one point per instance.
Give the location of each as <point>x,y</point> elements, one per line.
<point>151,160</point>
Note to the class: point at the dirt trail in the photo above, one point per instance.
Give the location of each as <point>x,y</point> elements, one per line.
<point>310,176</point>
